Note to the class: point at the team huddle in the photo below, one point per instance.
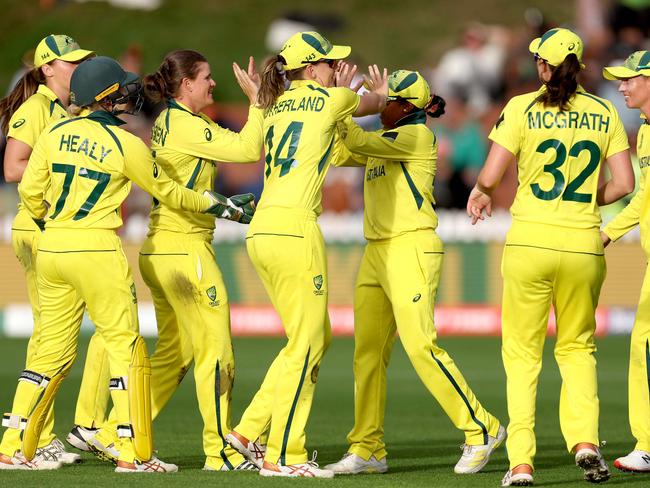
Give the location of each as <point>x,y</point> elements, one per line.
<point>75,165</point>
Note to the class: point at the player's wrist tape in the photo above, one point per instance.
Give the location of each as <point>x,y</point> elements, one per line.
<point>119,383</point>
<point>34,378</point>
<point>125,430</point>
<point>13,421</point>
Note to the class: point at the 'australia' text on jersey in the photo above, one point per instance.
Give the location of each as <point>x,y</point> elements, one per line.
<point>375,172</point>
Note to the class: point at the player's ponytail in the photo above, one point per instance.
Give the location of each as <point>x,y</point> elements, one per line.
<point>562,85</point>
<point>435,107</point>
<point>25,88</point>
<point>164,83</point>
<point>155,88</point>
<point>274,80</point>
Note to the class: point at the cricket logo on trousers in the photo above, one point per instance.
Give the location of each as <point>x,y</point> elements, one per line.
<point>318,283</point>
<point>135,298</point>
<point>212,295</point>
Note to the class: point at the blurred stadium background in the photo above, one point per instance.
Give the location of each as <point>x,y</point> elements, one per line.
<point>473,53</point>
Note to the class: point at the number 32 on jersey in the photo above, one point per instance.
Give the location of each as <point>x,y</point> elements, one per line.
<point>568,191</point>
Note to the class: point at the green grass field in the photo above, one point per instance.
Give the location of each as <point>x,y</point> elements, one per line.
<point>422,444</point>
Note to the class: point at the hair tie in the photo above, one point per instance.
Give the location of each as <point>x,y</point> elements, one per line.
<point>280,67</point>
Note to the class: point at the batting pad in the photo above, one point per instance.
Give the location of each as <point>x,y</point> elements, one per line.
<point>36,420</point>
<point>140,400</point>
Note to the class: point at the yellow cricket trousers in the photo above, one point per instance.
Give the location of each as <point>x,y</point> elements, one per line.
<point>24,239</point>
<point>395,292</point>
<point>193,318</point>
<point>535,278</point>
<point>288,252</point>
<point>79,269</point>
<point>92,402</point>
<point>639,373</point>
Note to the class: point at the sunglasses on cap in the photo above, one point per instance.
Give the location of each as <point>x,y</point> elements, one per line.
<point>537,57</point>
<point>330,62</point>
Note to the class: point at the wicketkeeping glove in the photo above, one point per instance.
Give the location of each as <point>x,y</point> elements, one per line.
<point>239,208</point>
<point>244,202</point>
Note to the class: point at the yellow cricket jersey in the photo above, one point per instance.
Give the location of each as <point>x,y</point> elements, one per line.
<point>187,147</point>
<point>399,174</point>
<point>26,125</point>
<point>635,212</point>
<point>559,157</point>
<point>89,162</point>
<point>300,135</point>
<point>34,114</point>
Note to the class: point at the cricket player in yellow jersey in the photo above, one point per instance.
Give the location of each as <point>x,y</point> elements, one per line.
<point>285,243</point>
<point>558,136</point>
<point>85,166</point>
<point>41,97</point>
<point>634,76</point>
<point>398,279</point>
<point>177,260</point>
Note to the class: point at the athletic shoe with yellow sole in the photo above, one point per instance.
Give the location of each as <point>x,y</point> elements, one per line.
<point>474,458</point>
<point>352,464</point>
<point>79,437</point>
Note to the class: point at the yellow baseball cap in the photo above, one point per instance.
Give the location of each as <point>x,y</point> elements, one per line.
<point>59,46</point>
<point>409,85</point>
<point>636,64</point>
<point>556,44</point>
<point>304,48</point>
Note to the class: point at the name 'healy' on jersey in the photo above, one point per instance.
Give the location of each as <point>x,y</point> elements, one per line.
<point>92,149</point>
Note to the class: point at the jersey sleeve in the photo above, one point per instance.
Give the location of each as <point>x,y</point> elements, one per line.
<point>140,167</point>
<point>27,123</point>
<point>35,181</point>
<point>344,102</point>
<point>629,217</point>
<point>341,156</point>
<point>396,144</point>
<point>507,131</point>
<point>618,141</point>
<point>210,141</point>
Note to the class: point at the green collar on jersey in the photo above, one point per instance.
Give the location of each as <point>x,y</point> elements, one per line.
<point>171,103</point>
<point>417,117</point>
<point>105,118</point>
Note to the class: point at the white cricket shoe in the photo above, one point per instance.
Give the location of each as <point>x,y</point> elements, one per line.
<point>474,458</point>
<point>105,453</point>
<point>593,464</point>
<point>636,462</point>
<point>154,465</point>
<point>55,451</point>
<point>519,479</point>
<point>309,469</point>
<point>18,461</point>
<point>352,464</point>
<point>79,437</point>
<point>254,451</point>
